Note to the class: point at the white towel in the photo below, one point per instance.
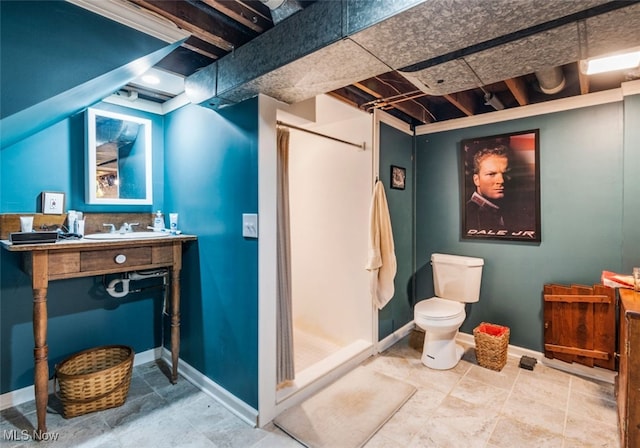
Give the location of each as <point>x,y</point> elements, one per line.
<point>381,262</point>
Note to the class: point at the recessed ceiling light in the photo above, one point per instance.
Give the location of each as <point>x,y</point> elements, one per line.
<point>150,79</point>
<point>160,80</point>
<point>611,63</point>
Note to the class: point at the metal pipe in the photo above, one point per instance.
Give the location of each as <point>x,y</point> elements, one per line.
<point>551,80</point>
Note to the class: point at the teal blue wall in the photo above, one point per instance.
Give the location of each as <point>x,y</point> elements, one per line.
<point>53,160</point>
<point>211,180</point>
<point>81,313</point>
<point>396,148</point>
<point>586,227</point>
<point>57,58</point>
<point>47,50</point>
<point>631,184</point>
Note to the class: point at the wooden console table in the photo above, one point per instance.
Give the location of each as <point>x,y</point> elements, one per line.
<point>628,380</point>
<point>86,258</point>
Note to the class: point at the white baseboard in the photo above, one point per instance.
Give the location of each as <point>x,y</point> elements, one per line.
<point>208,386</point>
<point>513,351</point>
<point>395,337</point>
<point>595,373</point>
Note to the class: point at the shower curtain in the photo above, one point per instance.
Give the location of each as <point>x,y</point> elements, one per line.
<point>284,318</point>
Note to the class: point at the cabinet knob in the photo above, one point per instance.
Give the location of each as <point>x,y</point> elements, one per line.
<point>120,258</point>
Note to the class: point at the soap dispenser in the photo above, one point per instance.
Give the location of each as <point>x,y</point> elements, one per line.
<point>158,222</point>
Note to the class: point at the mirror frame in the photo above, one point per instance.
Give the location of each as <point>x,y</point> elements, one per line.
<point>90,167</point>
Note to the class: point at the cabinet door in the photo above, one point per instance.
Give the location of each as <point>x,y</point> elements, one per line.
<point>629,378</point>
<point>580,324</point>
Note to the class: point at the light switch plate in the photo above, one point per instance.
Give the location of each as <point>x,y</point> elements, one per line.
<point>250,225</point>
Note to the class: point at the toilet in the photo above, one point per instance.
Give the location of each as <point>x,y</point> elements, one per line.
<point>456,281</point>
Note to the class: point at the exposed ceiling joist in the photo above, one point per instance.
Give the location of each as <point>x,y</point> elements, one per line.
<point>463,101</point>
<point>243,14</point>
<point>583,80</point>
<point>518,89</point>
<point>210,26</point>
<point>204,48</point>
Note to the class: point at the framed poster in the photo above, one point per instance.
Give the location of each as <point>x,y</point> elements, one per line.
<point>500,186</point>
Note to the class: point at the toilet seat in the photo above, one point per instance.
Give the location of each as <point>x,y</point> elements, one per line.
<point>436,308</point>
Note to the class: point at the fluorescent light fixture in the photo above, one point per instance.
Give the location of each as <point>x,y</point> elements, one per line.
<point>621,61</point>
<point>135,17</point>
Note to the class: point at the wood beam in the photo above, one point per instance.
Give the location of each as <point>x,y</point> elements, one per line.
<point>201,25</point>
<point>343,96</point>
<point>258,7</point>
<point>518,89</point>
<point>583,80</point>
<point>366,89</point>
<point>464,101</point>
<point>242,14</point>
<point>198,50</point>
<point>204,48</point>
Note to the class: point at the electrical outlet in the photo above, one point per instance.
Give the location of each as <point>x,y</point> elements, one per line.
<point>250,225</point>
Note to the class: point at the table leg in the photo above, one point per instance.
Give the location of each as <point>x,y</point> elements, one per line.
<point>41,350</point>
<point>175,323</point>
<point>40,357</point>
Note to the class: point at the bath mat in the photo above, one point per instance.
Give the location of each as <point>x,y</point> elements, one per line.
<point>347,413</point>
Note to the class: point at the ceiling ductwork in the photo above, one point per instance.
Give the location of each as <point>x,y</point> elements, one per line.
<point>442,46</point>
<point>551,80</point>
<point>273,4</point>
<point>281,9</point>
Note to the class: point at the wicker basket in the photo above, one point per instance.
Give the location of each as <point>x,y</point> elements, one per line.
<point>94,379</point>
<point>491,345</point>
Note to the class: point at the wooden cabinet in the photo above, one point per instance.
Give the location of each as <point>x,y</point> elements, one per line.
<point>628,381</point>
<point>580,324</point>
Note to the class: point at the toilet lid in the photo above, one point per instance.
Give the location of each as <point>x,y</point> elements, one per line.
<point>437,308</point>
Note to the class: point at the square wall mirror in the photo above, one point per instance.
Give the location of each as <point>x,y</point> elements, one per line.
<point>118,169</point>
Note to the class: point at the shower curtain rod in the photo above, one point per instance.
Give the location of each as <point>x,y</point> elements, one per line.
<point>287,125</point>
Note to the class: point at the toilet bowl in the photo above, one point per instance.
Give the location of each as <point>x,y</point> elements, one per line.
<point>440,319</point>
<point>456,281</point>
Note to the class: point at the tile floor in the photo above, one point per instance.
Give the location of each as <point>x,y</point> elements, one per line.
<point>468,406</point>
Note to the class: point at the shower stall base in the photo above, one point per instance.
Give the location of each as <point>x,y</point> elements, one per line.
<point>323,371</point>
<point>309,348</point>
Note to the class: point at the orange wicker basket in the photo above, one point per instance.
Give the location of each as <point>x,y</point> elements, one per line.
<point>492,342</point>
<point>94,379</point>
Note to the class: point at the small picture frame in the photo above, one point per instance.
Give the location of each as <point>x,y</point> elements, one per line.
<point>52,203</point>
<point>398,177</point>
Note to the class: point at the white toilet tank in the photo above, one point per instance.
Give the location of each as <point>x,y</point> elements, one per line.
<point>456,277</point>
